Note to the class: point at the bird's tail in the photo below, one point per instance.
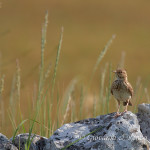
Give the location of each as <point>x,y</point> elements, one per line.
<point>125,103</point>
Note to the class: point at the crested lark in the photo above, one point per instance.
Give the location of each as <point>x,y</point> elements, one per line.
<point>122,90</point>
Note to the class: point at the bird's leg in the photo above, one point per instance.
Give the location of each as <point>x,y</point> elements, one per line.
<point>117,113</point>
<point>125,108</point>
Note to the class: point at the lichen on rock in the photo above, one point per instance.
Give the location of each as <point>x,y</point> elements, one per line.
<point>102,132</point>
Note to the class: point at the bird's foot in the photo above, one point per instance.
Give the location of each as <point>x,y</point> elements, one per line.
<point>124,112</point>
<point>117,115</point>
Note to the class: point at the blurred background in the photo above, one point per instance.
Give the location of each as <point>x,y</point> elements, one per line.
<point>88,25</point>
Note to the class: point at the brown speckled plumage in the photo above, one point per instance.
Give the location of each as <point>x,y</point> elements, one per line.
<point>121,89</point>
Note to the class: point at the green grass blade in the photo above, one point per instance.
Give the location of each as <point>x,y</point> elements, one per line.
<point>44,30</point>
<point>43,42</point>
<point>56,64</point>
<point>1,86</point>
<point>18,127</point>
<point>81,102</point>
<point>94,106</point>
<point>69,91</point>
<point>101,127</point>
<point>12,101</point>
<point>109,88</point>
<point>142,93</point>
<point>58,101</point>
<point>102,88</point>
<point>10,114</point>
<point>102,54</point>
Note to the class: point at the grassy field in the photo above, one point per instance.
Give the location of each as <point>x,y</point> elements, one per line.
<point>62,77</point>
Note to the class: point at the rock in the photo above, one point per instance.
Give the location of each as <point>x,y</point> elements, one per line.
<point>5,144</point>
<point>103,133</point>
<point>37,143</point>
<point>144,109</point>
<point>144,119</point>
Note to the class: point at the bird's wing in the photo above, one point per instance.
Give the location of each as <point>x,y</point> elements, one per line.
<point>114,86</point>
<point>129,88</point>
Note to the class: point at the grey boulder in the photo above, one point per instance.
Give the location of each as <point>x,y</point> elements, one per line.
<point>5,144</point>
<point>101,133</point>
<point>144,119</point>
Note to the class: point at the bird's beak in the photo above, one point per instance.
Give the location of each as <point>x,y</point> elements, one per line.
<point>114,71</point>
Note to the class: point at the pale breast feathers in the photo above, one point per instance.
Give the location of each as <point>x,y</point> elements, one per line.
<point>116,85</point>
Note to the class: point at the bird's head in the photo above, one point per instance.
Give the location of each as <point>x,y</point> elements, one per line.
<point>121,74</point>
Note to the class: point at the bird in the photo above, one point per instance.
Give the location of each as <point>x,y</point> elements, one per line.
<point>122,90</point>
